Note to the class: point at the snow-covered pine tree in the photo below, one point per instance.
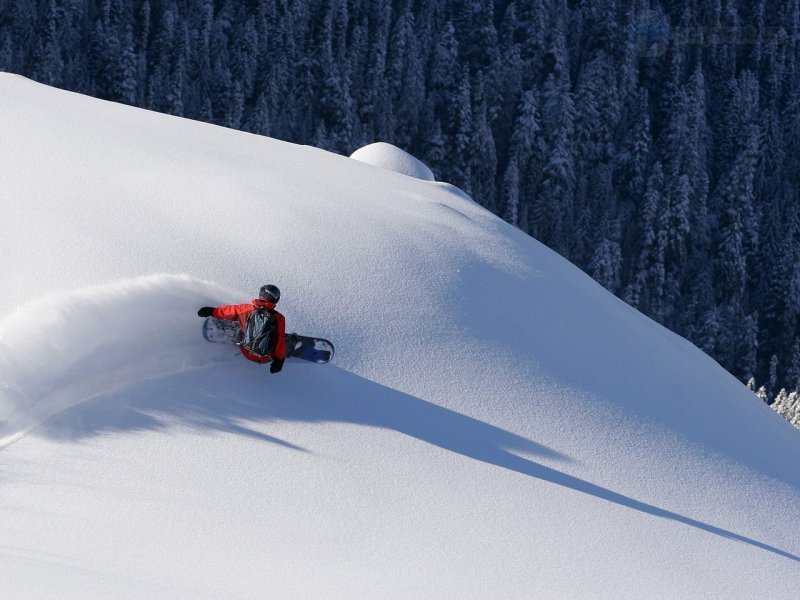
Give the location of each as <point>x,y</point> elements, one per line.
<point>780,404</point>
<point>552,210</point>
<point>460,133</point>
<point>509,192</point>
<point>405,76</point>
<point>646,290</point>
<point>477,33</point>
<point>484,153</point>
<point>47,61</point>
<point>606,263</point>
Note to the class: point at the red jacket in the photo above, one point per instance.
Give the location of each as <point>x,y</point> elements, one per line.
<point>240,312</point>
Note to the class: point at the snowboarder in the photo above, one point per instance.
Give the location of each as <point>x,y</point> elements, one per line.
<point>263,335</point>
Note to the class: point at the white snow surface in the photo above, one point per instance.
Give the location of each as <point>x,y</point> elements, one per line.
<point>494,423</point>
<point>392,158</point>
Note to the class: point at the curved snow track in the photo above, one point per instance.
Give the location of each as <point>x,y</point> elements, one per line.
<point>70,347</point>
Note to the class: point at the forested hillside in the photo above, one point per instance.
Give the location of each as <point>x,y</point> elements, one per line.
<point>654,145</point>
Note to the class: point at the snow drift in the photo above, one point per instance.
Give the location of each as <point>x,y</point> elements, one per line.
<point>494,424</point>
<point>392,158</point>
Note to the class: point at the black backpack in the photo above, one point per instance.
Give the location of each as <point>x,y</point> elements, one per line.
<point>257,335</point>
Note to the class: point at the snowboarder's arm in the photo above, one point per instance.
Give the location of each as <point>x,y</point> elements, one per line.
<point>231,312</point>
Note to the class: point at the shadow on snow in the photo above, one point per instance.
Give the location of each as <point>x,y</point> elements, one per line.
<point>226,399</point>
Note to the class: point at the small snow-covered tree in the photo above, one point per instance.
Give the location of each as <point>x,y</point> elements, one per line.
<point>781,404</point>
<point>762,394</point>
<point>793,408</point>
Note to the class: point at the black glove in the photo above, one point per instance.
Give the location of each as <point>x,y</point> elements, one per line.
<point>275,366</point>
<point>205,311</point>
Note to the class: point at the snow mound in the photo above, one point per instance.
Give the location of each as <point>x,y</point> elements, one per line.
<point>392,158</point>
<point>490,407</point>
<point>66,348</point>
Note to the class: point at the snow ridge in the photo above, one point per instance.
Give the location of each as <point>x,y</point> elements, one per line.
<point>494,425</point>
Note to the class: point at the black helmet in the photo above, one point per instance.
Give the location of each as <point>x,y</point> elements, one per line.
<point>270,293</point>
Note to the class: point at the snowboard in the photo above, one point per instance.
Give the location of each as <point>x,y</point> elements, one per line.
<point>312,349</point>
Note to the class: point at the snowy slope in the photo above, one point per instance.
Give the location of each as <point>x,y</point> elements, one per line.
<point>494,425</point>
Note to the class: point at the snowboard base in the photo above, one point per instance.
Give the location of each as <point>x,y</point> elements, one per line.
<point>312,349</point>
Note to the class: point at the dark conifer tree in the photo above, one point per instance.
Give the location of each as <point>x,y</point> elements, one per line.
<point>509,192</point>
<point>483,152</point>
<point>477,33</point>
<point>552,208</point>
<point>7,63</point>
<point>47,61</point>
<point>460,132</point>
